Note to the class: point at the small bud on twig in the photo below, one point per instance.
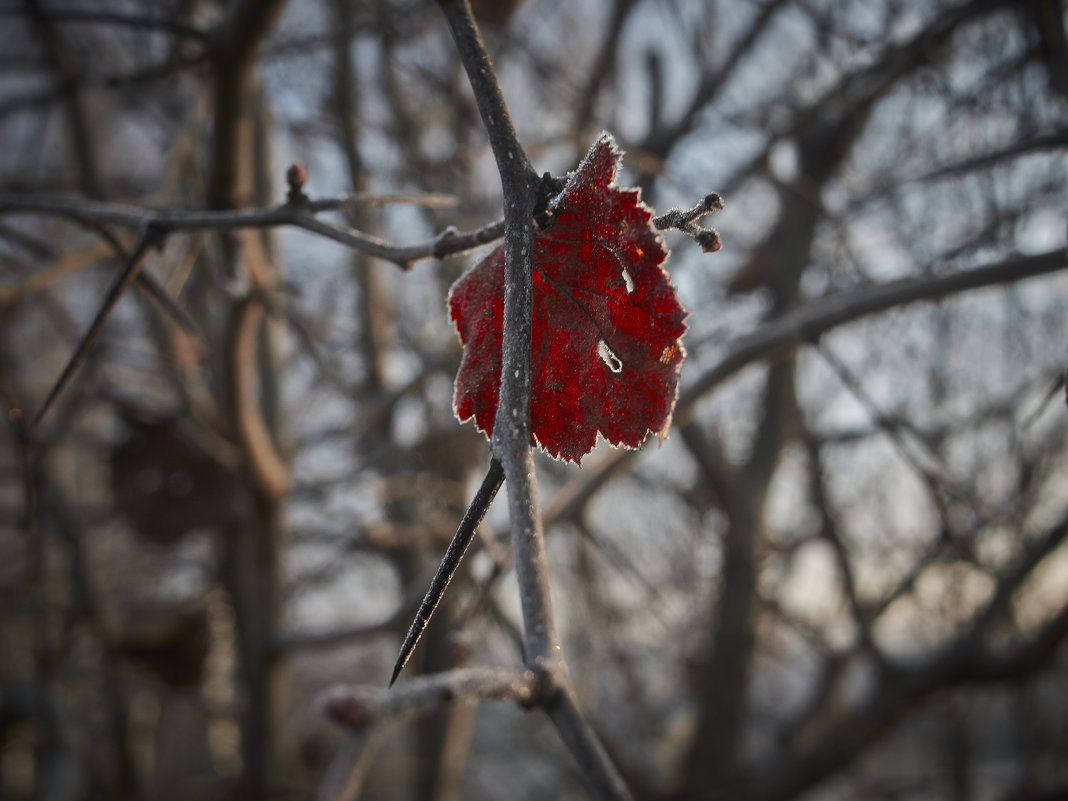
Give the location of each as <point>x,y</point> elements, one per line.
<point>343,707</point>
<point>708,239</point>
<point>686,221</point>
<point>296,176</point>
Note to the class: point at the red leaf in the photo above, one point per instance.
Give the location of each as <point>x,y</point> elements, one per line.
<point>605,350</point>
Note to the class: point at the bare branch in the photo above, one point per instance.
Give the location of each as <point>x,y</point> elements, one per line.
<point>584,744</point>
<point>349,769</point>
<point>778,338</point>
<point>75,261</point>
<point>511,433</point>
<point>359,706</point>
<point>300,215</point>
<point>966,660</point>
<point>118,19</point>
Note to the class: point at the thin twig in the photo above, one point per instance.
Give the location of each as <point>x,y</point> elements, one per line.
<point>939,487</point>
<point>425,200</point>
<point>808,323</point>
<point>156,291</point>
<point>348,771</point>
<point>829,531</point>
<point>359,706</point>
<point>76,261</point>
<point>299,215</point>
<point>686,221</point>
<point>149,23</point>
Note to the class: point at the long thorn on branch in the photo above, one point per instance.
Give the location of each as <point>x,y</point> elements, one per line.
<point>450,562</point>
<point>118,288</point>
<point>146,282</point>
<point>510,441</point>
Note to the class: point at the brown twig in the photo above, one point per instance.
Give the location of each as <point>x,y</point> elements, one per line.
<point>348,771</point>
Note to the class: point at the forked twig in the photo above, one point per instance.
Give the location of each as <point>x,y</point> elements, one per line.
<point>686,221</point>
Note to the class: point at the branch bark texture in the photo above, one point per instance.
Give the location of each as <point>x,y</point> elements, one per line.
<point>511,434</point>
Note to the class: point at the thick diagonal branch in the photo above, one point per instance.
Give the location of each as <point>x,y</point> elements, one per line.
<point>511,433</point>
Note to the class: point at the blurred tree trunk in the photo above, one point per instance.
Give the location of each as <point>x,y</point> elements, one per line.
<point>711,764</point>
<point>251,564</point>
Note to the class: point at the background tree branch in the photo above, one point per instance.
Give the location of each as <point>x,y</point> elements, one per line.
<point>838,577</point>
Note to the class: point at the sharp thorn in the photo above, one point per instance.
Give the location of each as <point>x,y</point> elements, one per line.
<point>450,562</point>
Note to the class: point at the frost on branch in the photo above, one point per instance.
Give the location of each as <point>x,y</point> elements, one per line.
<point>606,328</point>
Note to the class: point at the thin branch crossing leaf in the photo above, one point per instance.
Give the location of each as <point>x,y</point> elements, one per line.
<point>606,327</point>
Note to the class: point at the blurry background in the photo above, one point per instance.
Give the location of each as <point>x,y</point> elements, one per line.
<point>843,575</point>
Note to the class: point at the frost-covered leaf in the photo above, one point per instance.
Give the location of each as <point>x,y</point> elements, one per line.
<point>605,349</point>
